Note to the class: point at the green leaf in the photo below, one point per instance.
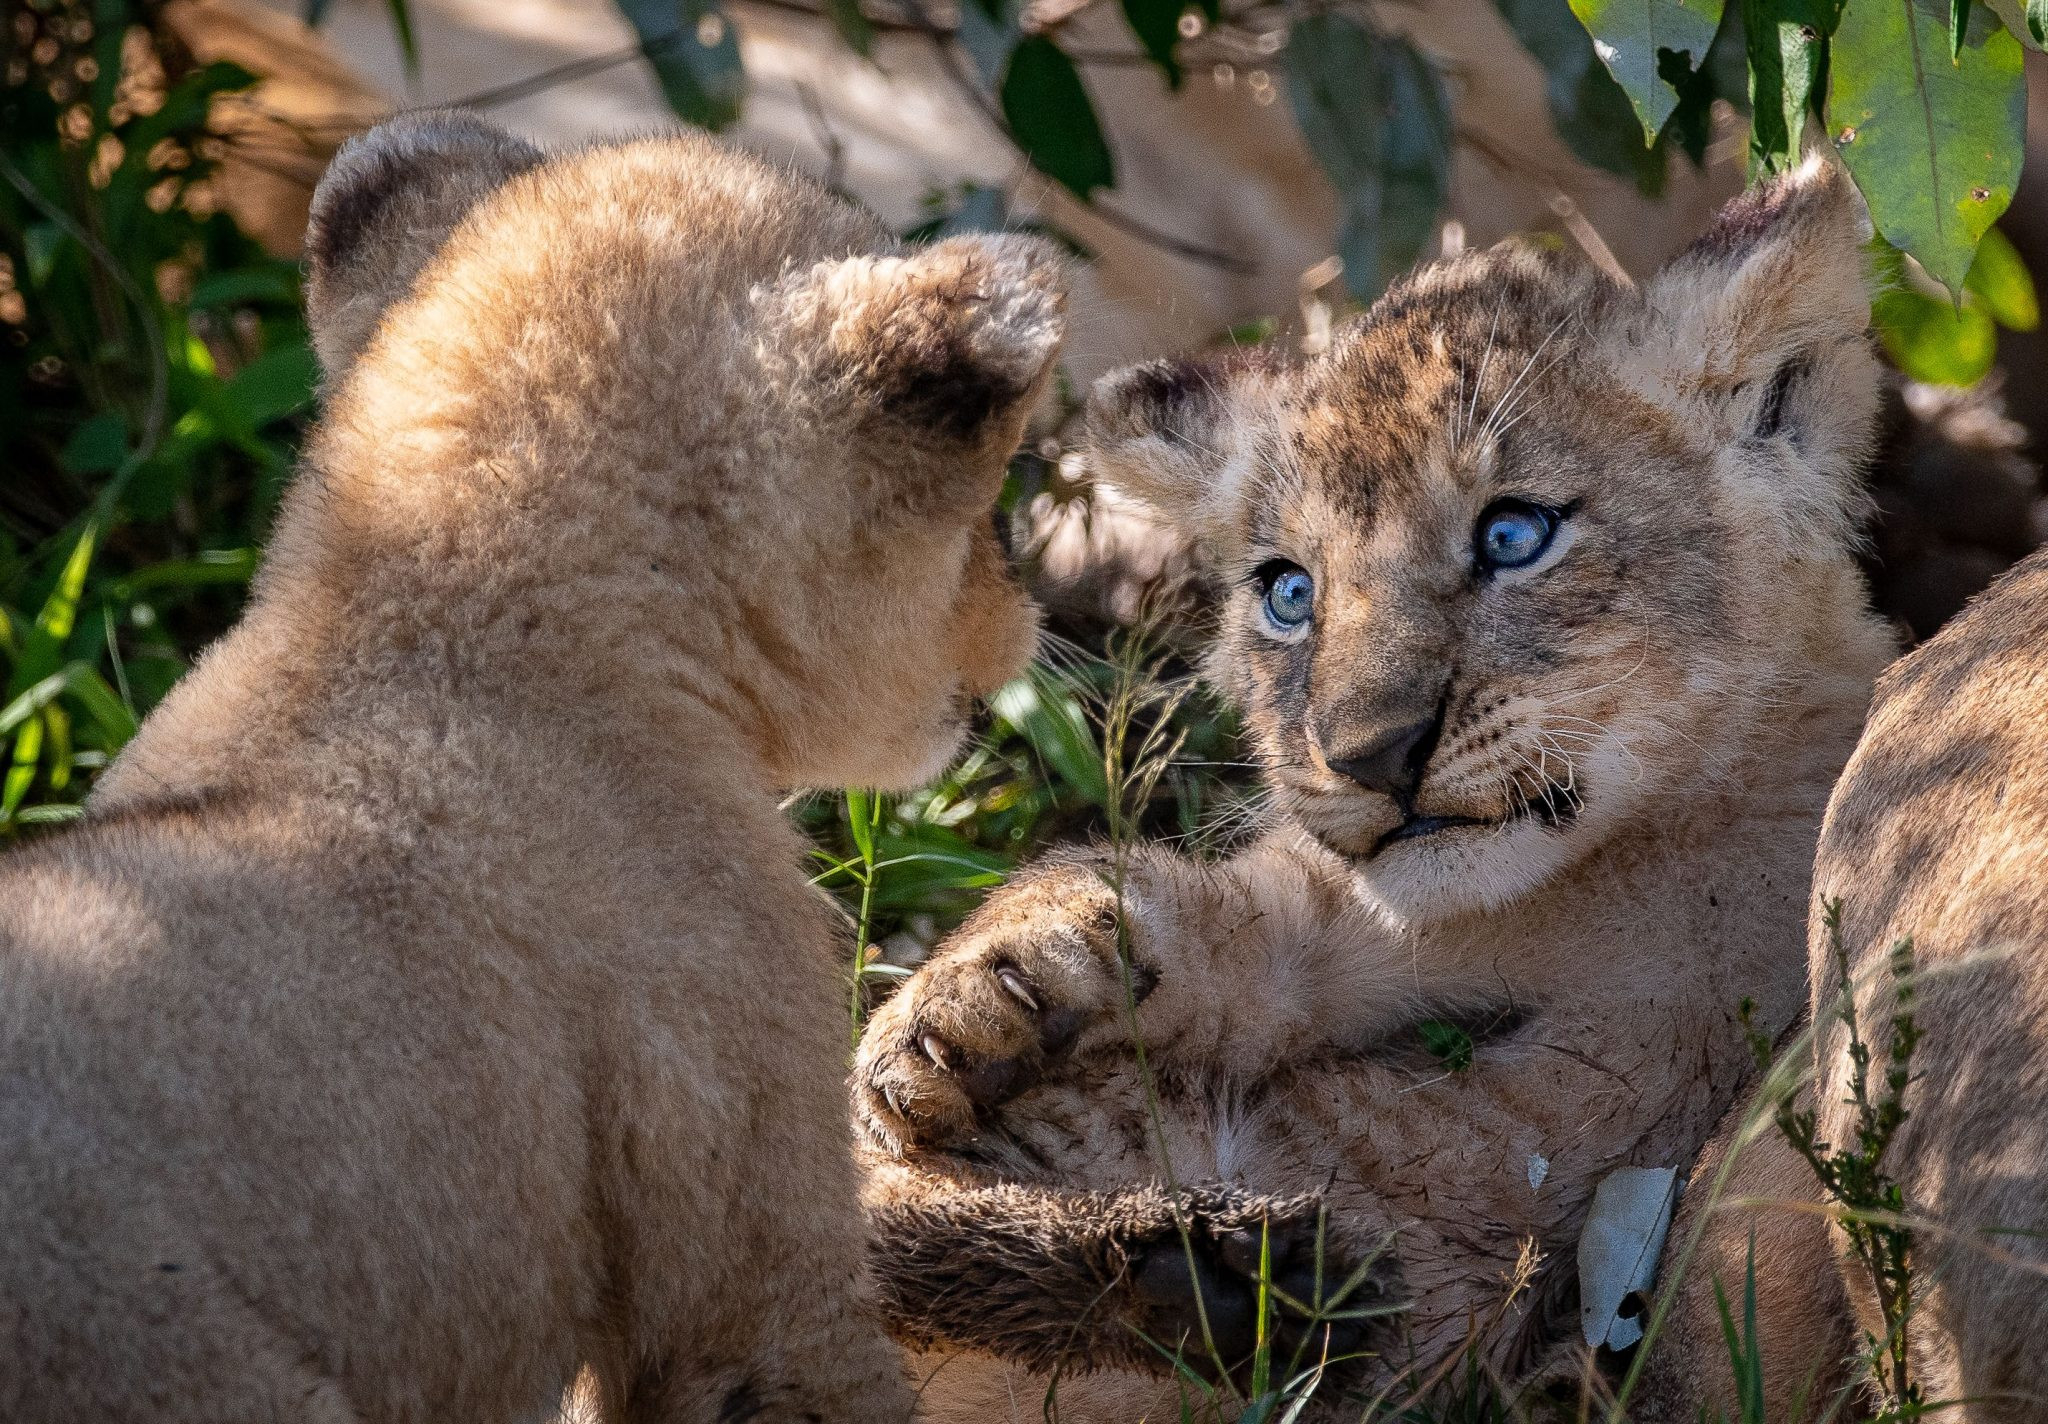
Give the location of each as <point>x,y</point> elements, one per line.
<point>2037,20</point>
<point>1051,720</point>
<point>1631,38</point>
<point>1156,23</point>
<point>2000,279</point>
<point>1447,1043</point>
<point>1592,114</point>
<point>1935,146</point>
<point>276,384</point>
<point>1787,43</point>
<point>408,42</point>
<point>97,447</point>
<point>1050,115</point>
<point>863,810</point>
<point>696,57</point>
<point>1375,115</point>
<point>852,25</point>
<point>1931,339</point>
<point>1958,26</point>
<point>276,282</point>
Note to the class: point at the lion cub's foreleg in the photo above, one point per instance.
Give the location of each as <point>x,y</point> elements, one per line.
<point>1220,970</point>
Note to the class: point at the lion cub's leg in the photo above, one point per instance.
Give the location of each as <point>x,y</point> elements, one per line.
<point>1768,1198</point>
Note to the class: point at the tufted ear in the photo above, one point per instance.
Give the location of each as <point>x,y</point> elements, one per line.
<point>1758,333</point>
<point>1182,434</point>
<point>946,346</point>
<point>384,207</point>
<point>1765,316</point>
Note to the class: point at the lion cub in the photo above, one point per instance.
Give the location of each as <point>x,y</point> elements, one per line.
<point>1547,632</point>
<point>432,1000</point>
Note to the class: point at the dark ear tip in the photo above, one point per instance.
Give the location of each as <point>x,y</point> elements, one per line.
<point>1818,191</point>
<point>372,168</point>
<point>1140,400</point>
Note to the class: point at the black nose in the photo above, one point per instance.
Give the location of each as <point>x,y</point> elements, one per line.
<point>1392,764</point>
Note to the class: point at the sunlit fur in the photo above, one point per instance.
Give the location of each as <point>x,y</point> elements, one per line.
<point>1623,668</point>
<point>1645,722</point>
<point>432,1000</point>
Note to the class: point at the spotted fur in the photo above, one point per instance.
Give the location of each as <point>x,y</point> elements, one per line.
<point>1604,842</point>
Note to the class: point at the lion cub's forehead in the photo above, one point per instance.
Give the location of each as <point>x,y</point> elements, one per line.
<point>1449,386</point>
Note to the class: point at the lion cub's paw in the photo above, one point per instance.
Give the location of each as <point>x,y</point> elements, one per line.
<point>1033,976</point>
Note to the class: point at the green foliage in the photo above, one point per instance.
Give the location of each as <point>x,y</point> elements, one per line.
<point>696,56</point>
<point>1446,1042</point>
<point>1933,338</point>
<point>1935,145</point>
<point>1592,114</point>
<point>1869,1205</point>
<point>1051,118</point>
<point>1745,1350</point>
<point>1636,40</point>
<point>1787,48</point>
<point>153,371</point>
<point>1376,116</point>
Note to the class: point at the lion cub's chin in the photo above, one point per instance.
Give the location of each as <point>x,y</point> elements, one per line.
<point>1461,870</point>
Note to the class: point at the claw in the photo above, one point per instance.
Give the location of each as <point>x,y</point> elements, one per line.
<point>1018,987</point>
<point>889,1097</point>
<point>935,1049</point>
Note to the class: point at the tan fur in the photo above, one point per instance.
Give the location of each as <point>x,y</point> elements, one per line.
<point>1751,1199</point>
<point>1938,832</point>
<point>1646,723</point>
<point>410,1019</point>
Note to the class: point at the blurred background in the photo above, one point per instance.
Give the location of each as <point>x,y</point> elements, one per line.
<point>1228,170</point>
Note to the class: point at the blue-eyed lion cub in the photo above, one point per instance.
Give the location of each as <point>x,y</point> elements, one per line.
<point>411,1018</point>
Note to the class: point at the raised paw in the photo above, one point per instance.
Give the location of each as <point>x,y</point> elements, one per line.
<point>1034,974</point>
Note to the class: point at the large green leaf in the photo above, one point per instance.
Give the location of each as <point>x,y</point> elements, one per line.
<point>1935,144</point>
<point>696,57</point>
<point>1931,339</point>
<point>1632,37</point>
<point>1375,115</point>
<point>1050,115</point>
<point>1787,41</point>
<point>1592,115</point>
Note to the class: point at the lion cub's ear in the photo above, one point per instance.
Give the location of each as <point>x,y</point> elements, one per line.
<point>1760,327</point>
<point>384,207</point>
<point>1182,434</point>
<point>944,348</point>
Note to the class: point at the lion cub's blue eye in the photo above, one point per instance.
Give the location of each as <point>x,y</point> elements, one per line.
<point>1512,534</point>
<point>1290,595</point>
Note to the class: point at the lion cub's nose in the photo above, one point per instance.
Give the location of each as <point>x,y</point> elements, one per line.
<point>1392,763</point>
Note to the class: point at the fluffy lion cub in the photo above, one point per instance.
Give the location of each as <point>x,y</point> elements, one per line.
<point>432,1000</point>
<point>1547,631</point>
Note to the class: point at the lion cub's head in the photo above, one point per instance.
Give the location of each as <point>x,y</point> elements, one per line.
<point>1525,554</point>
<point>660,419</point>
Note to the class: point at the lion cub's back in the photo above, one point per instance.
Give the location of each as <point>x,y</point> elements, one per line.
<point>1938,834</point>
<point>196,984</point>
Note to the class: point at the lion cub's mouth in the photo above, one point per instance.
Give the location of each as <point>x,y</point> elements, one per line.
<point>1554,805</point>
<point>1416,827</point>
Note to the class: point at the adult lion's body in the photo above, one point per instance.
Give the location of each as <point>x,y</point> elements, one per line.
<point>1548,635</point>
<point>406,1023</point>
